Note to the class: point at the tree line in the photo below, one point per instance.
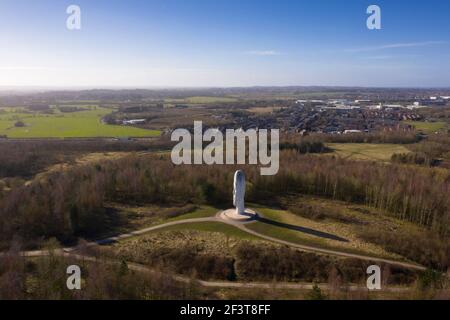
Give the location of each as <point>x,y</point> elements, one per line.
<point>71,203</point>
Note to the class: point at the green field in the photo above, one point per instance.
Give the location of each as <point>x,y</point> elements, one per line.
<point>202,100</point>
<point>200,212</point>
<point>344,230</point>
<point>283,233</point>
<point>213,227</point>
<point>80,124</point>
<point>367,151</point>
<point>427,127</point>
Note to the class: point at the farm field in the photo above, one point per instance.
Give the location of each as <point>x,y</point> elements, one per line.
<point>367,151</point>
<point>263,110</point>
<point>202,100</point>
<point>80,124</point>
<point>427,127</point>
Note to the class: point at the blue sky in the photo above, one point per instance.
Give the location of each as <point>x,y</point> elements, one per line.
<point>224,43</point>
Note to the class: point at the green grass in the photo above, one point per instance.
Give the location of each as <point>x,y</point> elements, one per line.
<point>282,234</point>
<point>367,151</point>
<point>279,232</point>
<point>294,237</point>
<point>298,237</point>
<point>427,127</point>
<point>200,212</point>
<point>82,124</point>
<point>212,227</point>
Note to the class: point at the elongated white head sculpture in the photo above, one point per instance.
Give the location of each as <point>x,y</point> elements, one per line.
<point>239,214</point>
<point>239,192</point>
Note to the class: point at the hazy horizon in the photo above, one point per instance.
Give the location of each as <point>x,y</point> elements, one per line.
<point>118,88</point>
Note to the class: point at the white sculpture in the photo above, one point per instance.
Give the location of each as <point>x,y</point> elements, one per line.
<point>239,214</point>
<point>239,192</point>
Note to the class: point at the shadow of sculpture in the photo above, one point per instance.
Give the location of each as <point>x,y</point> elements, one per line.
<point>302,229</point>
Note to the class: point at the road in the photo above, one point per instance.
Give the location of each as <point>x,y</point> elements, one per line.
<point>211,284</point>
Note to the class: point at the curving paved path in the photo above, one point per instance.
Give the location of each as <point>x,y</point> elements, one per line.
<point>242,227</point>
<point>332,252</point>
<point>152,228</point>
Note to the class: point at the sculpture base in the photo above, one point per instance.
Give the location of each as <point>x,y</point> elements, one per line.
<point>231,215</point>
